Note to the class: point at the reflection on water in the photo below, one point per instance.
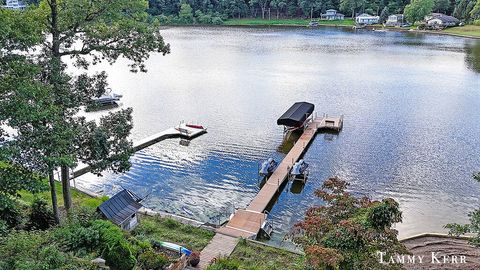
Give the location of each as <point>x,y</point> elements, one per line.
<point>410,104</point>
<point>472,57</point>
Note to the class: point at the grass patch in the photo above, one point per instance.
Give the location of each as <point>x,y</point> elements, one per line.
<point>78,198</point>
<point>169,230</point>
<point>251,255</point>
<point>280,22</point>
<point>467,30</point>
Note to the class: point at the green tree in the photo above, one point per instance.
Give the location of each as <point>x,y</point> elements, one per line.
<point>441,6</point>
<point>101,30</point>
<point>186,14</point>
<point>21,109</point>
<point>475,13</point>
<point>472,228</point>
<point>348,232</point>
<point>384,14</point>
<point>351,6</point>
<point>418,9</point>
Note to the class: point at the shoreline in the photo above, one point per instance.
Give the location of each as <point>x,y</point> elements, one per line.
<point>370,27</point>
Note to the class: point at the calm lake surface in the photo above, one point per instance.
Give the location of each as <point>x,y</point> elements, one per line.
<point>411,104</point>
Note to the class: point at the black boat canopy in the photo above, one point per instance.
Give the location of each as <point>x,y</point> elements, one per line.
<point>296,115</point>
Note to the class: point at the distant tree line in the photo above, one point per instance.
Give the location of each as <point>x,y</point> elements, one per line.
<point>215,11</point>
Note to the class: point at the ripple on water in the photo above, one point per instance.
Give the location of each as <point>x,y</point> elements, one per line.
<point>409,102</point>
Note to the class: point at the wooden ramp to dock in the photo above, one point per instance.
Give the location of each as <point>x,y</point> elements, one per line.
<point>246,223</point>
<point>220,246</point>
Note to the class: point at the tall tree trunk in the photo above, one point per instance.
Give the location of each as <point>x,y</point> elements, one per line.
<point>277,13</point>
<point>55,81</point>
<point>67,198</point>
<point>311,13</point>
<point>53,193</point>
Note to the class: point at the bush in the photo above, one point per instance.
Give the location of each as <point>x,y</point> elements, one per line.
<point>217,20</point>
<point>109,234</point>
<point>120,257</point>
<point>74,237</point>
<point>10,213</point>
<point>476,22</point>
<point>83,215</point>
<point>152,260</point>
<point>41,217</point>
<point>3,228</point>
<point>51,258</point>
<point>225,264</point>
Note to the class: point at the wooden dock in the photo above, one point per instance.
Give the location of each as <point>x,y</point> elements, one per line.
<point>180,131</point>
<point>246,223</point>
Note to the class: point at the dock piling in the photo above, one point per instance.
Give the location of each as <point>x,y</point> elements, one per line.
<point>242,224</point>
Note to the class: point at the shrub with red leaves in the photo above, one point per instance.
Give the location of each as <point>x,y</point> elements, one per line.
<point>348,232</point>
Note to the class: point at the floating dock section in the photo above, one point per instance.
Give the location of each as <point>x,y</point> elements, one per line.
<point>181,131</point>
<point>246,223</point>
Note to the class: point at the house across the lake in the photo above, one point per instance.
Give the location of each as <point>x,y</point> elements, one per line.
<point>441,20</point>
<point>122,209</point>
<point>332,14</point>
<point>15,4</point>
<point>395,20</point>
<point>365,18</point>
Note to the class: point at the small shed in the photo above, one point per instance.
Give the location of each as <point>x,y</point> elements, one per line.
<point>296,115</point>
<point>122,209</point>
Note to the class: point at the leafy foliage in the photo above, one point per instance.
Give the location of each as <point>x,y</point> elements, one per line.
<point>473,227</point>
<point>347,232</point>
<point>152,260</point>
<point>225,264</point>
<point>41,217</point>
<point>418,9</point>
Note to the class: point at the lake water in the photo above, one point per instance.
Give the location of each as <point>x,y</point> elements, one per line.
<point>411,105</point>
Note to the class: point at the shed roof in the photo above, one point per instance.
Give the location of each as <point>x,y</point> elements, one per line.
<point>296,115</point>
<point>121,206</point>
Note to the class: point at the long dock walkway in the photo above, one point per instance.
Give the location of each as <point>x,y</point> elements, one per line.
<point>247,222</point>
<point>180,131</point>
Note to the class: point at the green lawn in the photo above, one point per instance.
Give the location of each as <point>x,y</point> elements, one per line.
<point>467,30</point>
<point>286,22</point>
<point>169,230</point>
<point>249,255</point>
<point>78,198</point>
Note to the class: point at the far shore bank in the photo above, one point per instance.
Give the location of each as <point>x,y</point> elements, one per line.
<point>471,31</point>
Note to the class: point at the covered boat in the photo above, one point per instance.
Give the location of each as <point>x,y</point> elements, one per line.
<point>297,115</point>
<point>268,166</point>
<point>299,171</point>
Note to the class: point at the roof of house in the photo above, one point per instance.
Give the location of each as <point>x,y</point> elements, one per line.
<point>296,115</point>
<point>121,206</point>
<point>444,18</point>
<point>365,15</point>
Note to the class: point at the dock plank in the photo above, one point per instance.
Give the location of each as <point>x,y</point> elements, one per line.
<point>247,221</point>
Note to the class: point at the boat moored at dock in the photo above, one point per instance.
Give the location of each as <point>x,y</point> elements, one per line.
<point>268,167</point>
<point>299,171</point>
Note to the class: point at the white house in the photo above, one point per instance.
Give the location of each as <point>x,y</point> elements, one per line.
<point>395,20</point>
<point>441,20</point>
<point>366,19</point>
<point>332,14</point>
<point>15,4</point>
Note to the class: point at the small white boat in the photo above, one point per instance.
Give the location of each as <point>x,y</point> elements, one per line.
<point>299,171</point>
<point>107,98</point>
<point>268,166</point>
